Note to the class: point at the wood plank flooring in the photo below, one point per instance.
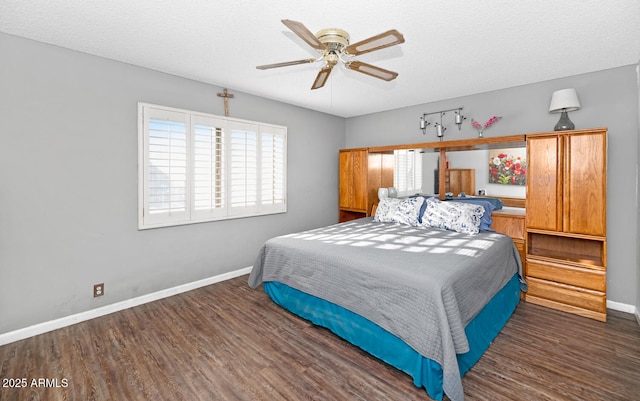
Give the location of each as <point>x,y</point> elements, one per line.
<point>229,342</point>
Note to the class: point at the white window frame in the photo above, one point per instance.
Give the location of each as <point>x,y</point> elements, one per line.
<point>273,182</point>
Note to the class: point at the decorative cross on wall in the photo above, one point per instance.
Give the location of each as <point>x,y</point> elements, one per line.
<point>226,95</point>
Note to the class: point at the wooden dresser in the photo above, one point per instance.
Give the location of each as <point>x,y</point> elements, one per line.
<point>566,226</point>
<point>511,223</point>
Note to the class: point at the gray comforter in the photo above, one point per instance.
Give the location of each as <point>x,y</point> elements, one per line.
<point>421,284</point>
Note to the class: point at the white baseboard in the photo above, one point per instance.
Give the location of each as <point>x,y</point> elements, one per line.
<point>44,327</point>
<point>40,328</point>
<point>621,307</point>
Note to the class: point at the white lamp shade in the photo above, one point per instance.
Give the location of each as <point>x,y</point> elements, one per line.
<point>566,99</point>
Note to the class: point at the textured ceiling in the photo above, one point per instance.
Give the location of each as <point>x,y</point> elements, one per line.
<point>452,48</point>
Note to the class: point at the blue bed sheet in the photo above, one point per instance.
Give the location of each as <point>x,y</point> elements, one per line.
<point>380,343</point>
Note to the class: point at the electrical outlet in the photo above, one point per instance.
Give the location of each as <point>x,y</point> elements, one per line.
<point>98,290</point>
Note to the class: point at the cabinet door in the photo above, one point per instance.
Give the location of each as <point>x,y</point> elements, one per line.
<point>359,192</point>
<point>353,179</point>
<point>461,180</point>
<point>345,179</point>
<point>585,184</point>
<point>544,186</point>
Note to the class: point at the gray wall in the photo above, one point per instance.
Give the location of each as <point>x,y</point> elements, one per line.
<point>68,183</point>
<point>637,194</point>
<point>609,99</point>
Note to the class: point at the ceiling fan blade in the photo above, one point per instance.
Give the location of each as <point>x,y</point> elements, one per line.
<point>322,77</point>
<point>372,70</point>
<point>303,33</point>
<point>286,64</point>
<point>377,42</point>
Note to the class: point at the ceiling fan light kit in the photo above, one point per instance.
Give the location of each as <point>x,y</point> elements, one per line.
<point>333,37</point>
<point>334,45</point>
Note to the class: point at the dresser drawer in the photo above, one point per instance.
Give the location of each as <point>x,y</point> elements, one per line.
<point>568,295</point>
<point>566,274</point>
<point>509,223</point>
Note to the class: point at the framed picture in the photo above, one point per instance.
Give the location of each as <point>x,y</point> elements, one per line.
<point>508,166</point>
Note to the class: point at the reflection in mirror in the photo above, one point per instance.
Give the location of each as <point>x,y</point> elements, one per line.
<point>431,163</point>
<point>499,172</point>
<point>407,172</point>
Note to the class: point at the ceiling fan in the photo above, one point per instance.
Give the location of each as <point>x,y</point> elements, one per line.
<point>334,45</point>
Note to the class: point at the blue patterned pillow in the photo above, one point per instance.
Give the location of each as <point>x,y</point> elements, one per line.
<point>455,216</point>
<point>487,220</point>
<point>385,210</point>
<point>403,211</point>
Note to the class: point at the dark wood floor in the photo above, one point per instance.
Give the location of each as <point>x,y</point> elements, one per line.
<point>228,342</point>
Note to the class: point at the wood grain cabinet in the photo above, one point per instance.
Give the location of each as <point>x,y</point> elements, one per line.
<point>353,180</point>
<point>361,173</point>
<point>511,223</point>
<point>566,221</point>
<point>459,180</point>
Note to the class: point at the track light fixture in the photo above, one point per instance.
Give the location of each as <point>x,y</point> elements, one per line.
<point>459,118</point>
<point>439,127</point>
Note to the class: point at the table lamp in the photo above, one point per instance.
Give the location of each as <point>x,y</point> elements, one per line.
<point>563,101</point>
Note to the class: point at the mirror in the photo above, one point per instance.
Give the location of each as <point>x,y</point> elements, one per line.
<point>497,176</point>
<point>498,164</point>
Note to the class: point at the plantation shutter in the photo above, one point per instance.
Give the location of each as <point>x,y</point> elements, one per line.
<point>244,168</point>
<point>407,175</point>
<point>209,192</point>
<point>196,167</point>
<point>166,168</point>
<point>273,149</point>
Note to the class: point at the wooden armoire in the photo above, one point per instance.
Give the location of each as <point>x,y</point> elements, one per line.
<point>361,174</point>
<point>566,225</point>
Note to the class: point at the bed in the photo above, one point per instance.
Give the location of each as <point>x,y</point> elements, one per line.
<point>426,300</point>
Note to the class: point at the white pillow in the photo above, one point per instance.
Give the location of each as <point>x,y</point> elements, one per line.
<point>455,216</point>
<point>385,210</point>
<point>396,210</point>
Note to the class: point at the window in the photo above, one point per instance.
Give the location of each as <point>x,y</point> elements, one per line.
<point>407,173</point>
<point>196,167</point>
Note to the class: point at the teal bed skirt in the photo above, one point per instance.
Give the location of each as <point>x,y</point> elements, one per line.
<point>385,346</point>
